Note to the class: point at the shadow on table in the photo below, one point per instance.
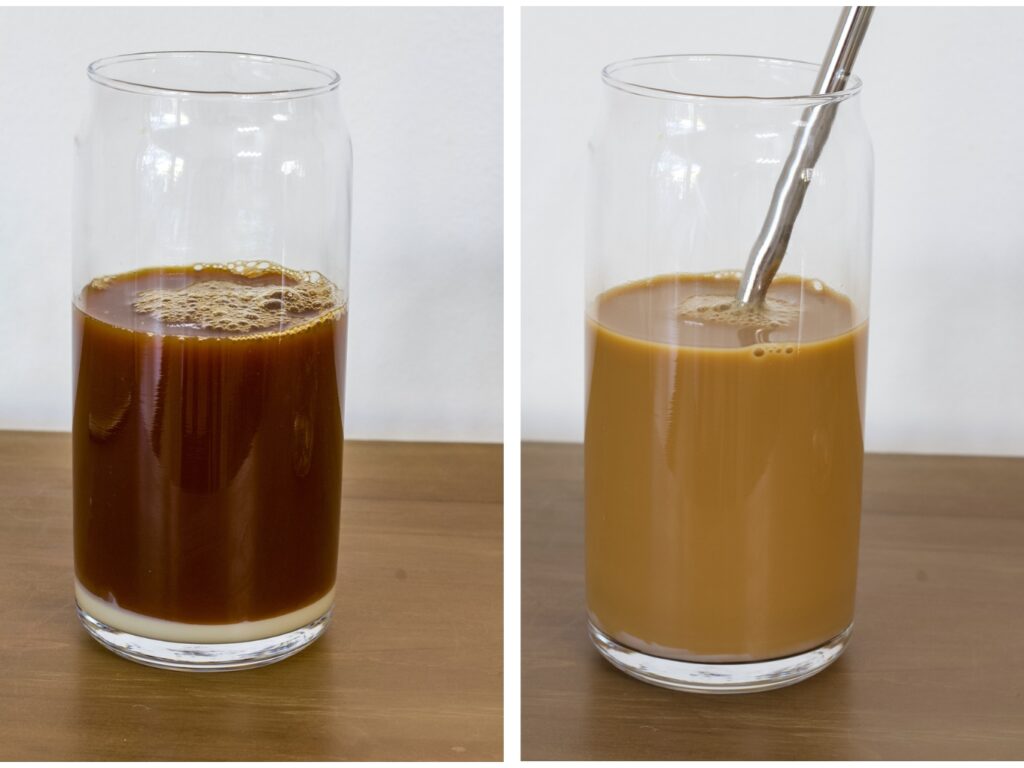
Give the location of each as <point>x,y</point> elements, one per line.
<point>121,710</point>
<point>806,721</point>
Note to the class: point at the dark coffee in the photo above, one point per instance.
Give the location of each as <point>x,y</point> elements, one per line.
<point>208,442</point>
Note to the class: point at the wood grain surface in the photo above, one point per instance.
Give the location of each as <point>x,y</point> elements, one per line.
<point>409,669</point>
<point>935,669</point>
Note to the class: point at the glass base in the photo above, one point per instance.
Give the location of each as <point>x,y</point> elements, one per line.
<point>737,677</point>
<point>203,657</point>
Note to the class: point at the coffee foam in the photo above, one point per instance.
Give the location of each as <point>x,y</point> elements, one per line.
<point>771,313</point>
<point>226,305</point>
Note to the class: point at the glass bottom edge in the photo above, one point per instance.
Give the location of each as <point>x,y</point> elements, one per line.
<point>733,677</point>
<point>203,657</point>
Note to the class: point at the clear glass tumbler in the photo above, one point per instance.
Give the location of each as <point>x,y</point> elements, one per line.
<point>724,445</point>
<point>210,307</point>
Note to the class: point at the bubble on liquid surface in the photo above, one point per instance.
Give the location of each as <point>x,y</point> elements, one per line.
<point>771,313</point>
<point>227,305</point>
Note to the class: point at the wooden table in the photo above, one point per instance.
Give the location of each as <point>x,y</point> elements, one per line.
<point>409,669</point>
<point>936,665</point>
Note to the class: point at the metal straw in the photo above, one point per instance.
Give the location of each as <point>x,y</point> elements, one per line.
<point>770,248</point>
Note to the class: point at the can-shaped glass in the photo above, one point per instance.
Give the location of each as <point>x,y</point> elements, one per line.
<point>210,310</point>
<point>724,440</point>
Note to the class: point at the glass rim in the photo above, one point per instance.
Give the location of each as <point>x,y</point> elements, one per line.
<point>94,71</point>
<point>612,77</point>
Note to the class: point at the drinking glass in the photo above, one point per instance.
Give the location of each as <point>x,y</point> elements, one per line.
<point>723,445</point>
<point>210,307</point>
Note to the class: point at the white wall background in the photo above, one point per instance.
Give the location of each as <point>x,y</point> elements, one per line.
<point>421,90</point>
<point>943,101</point>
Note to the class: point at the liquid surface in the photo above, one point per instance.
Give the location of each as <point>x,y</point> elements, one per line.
<point>208,444</point>
<point>211,300</point>
<point>698,311</point>
<point>723,460</point>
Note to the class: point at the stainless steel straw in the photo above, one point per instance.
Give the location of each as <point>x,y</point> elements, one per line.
<point>770,248</point>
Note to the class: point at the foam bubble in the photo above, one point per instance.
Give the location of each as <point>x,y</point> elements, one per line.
<point>227,305</point>
<point>101,283</point>
<point>772,313</point>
